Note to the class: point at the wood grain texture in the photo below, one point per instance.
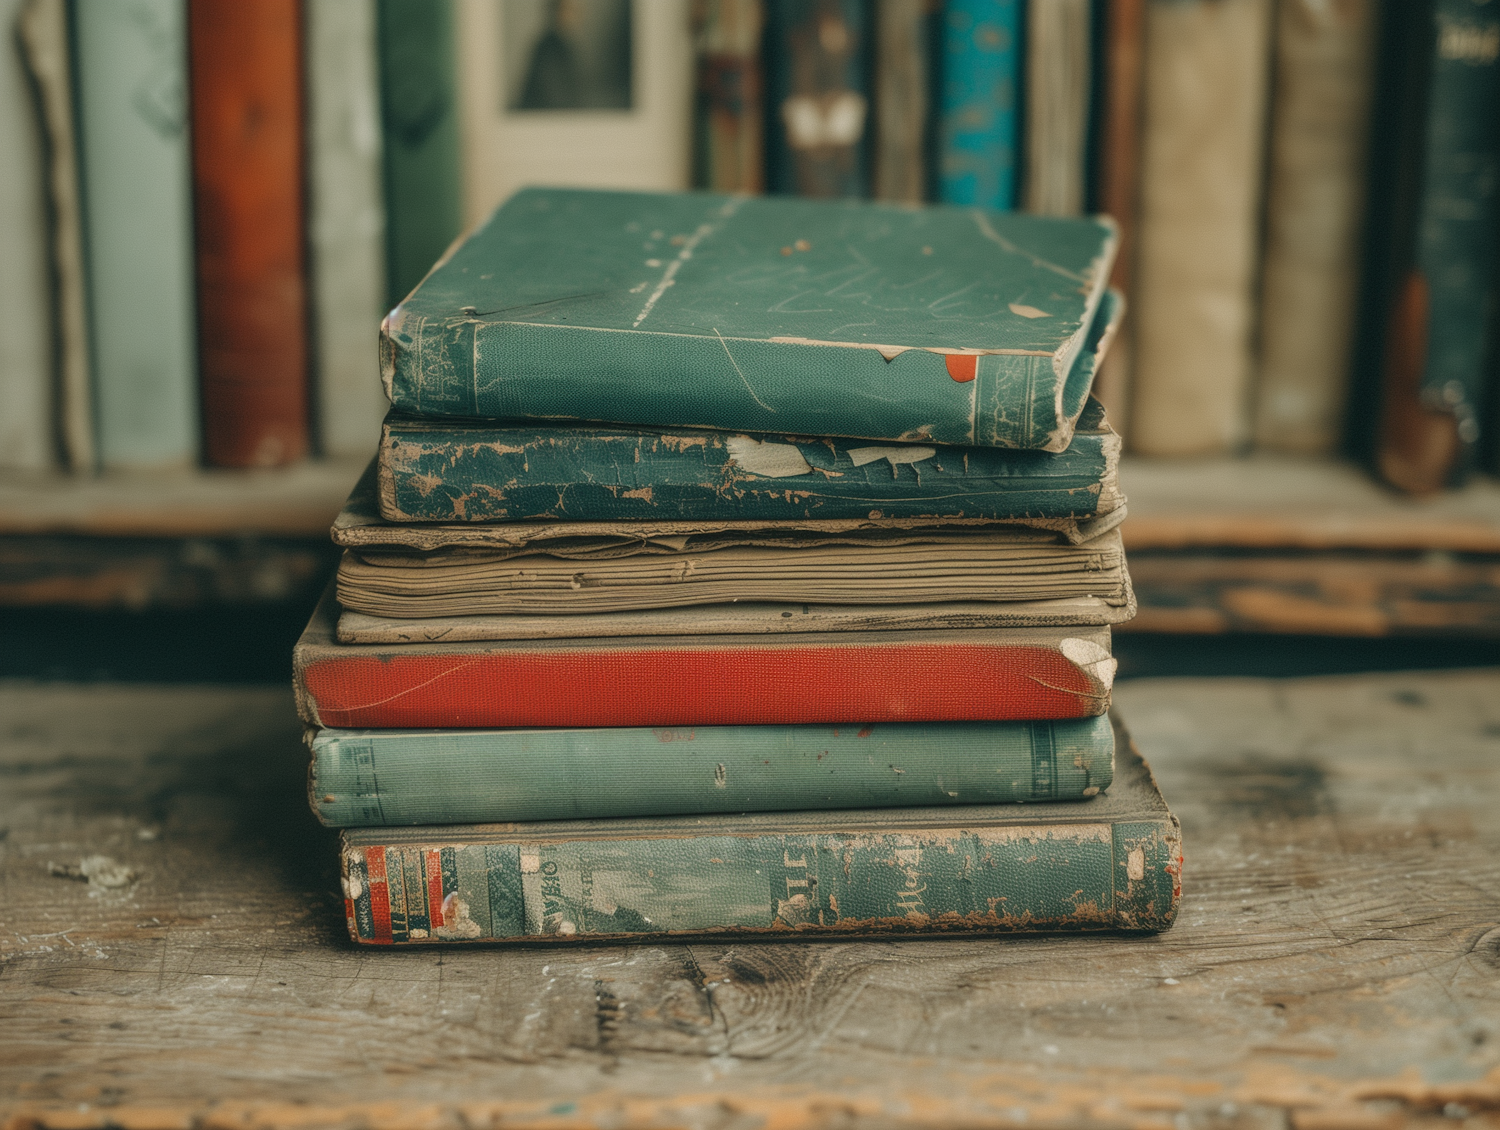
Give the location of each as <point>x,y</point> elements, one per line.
<point>1334,967</point>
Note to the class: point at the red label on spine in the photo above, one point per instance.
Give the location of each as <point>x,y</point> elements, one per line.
<point>380,895</point>
<point>434,888</point>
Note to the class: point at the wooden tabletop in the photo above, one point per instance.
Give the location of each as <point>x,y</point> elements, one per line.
<point>172,953</point>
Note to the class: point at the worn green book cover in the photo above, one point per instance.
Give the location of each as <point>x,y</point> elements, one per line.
<point>362,778</point>
<point>768,314</point>
<point>462,471</point>
<point>1112,862</point>
<point>359,525</point>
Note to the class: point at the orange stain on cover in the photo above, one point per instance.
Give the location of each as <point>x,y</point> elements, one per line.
<point>962,367</point>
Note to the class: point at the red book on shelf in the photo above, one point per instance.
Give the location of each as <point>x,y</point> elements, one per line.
<point>945,675</point>
<point>246,62</point>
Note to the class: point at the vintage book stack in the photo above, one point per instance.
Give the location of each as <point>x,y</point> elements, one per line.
<point>738,565</point>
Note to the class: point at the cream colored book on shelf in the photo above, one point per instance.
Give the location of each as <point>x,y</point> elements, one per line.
<point>346,221</point>
<point>1058,34</point>
<point>1207,65</point>
<point>586,93</point>
<point>1320,117</point>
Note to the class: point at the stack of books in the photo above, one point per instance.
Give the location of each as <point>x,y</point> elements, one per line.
<point>812,636</point>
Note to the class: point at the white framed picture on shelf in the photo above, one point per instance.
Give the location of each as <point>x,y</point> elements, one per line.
<point>594,93</point>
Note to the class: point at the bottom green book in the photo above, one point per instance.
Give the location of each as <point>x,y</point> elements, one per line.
<point>1110,863</point>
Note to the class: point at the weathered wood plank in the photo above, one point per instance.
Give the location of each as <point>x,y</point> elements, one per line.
<point>1336,965</point>
<point>1280,502</point>
<point>298,501</point>
<point>1340,593</point>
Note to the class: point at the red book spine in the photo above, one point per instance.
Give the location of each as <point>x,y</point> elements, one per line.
<point>246,62</point>
<point>682,686</point>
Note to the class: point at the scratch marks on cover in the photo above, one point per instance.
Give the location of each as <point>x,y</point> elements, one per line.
<point>988,231</point>
<point>669,276</point>
<point>740,371</point>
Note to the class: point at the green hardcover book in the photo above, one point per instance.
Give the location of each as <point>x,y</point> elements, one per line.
<point>457,471</point>
<point>1113,862</point>
<point>419,109</point>
<point>770,314</point>
<point>366,778</point>
<point>130,73</point>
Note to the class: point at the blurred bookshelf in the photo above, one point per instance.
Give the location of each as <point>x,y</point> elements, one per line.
<point>1267,543</point>
<point>1277,544</point>
<point>170,540</point>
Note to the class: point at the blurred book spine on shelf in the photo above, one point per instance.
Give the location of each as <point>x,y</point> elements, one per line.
<point>1058,88</point>
<point>130,62</point>
<point>729,127</point>
<point>585,93</point>
<point>345,222</point>
<point>1206,71</point>
<point>817,76</point>
<point>980,123</point>
<point>904,35</point>
<point>419,113</point>
<point>26,346</point>
<point>62,380</point>
<point>1120,67</point>
<point>1320,112</point>
<point>248,180</point>
<point>1433,281</point>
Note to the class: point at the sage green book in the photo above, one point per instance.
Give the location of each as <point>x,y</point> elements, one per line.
<point>469,471</point>
<point>362,778</point>
<point>1110,863</point>
<point>130,79</point>
<point>765,314</point>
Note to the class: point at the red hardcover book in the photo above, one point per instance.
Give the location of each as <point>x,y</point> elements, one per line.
<point>246,62</point>
<point>971,674</point>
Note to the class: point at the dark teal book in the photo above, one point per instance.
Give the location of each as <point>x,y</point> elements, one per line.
<point>367,778</point>
<point>1113,862</point>
<point>458,471</point>
<point>818,116</point>
<point>1434,285</point>
<point>763,314</point>
<point>419,112</point>
<point>979,131</point>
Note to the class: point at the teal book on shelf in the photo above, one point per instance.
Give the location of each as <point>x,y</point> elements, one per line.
<point>979,129</point>
<point>767,314</point>
<point>1435,277</point>
<point>131,78</point>
<point>419,111</point>
<point>818,97</point>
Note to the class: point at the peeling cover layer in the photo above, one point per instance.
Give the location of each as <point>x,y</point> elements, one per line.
<point>771,314</point>
<point>459,471</point>
<point>1110,863</point>
<point>982,675</point>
